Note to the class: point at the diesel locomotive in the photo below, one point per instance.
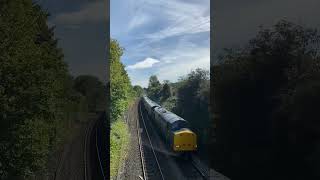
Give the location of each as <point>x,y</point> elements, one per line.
<point>173,129</point>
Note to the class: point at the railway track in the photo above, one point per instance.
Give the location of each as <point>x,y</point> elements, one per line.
<point>85,162</point>
<point>141,153</point>
<point>203,173</point>
<point>99,157</point>
<point>159,163</point>
<point>92,132</point>
<point>83,159</point>
<point>150,165</point>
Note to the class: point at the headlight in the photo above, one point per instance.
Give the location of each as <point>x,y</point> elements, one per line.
<point>177,146</point>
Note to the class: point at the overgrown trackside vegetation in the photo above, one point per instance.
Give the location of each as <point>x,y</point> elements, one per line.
<point>122,94</point>
<point>120,85</point>
<point>38,100</point>
<point>267,98</point>
<point>119,142</point>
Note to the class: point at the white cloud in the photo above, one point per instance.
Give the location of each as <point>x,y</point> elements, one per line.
<point>177,62</point>
<point>92,12</point>
<point>184,64</point>
<point>137,21</point>
<point>169,30</point>
<point>184,18</point>
<point>147,63</point>
<point>143,82</point>
<point>181,18</point>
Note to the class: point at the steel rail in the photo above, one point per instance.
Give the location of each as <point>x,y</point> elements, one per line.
<point>198,169</point>
<point>101,168</point>
<point>151,144</point>
<point>85,153</point>
<point>141,151</point>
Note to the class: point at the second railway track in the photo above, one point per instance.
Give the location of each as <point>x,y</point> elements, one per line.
<point>150,164</point>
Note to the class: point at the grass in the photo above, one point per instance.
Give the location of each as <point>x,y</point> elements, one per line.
<point>119,143</point>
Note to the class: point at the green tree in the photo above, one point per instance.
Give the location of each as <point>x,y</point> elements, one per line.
<point>193,102</point>
<point>138,90</point>
<point>165,92</point>
<point>33,89</point>
<point>154,88</point>
<point>120,84</point>
<point>262,97</point>
<point>94,91</point>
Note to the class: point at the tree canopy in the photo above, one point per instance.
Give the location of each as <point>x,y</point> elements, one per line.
<point>94,91</point>
<point>165,92</point>
<point>265,96</point>
<point>120,85</point>
<point>38,102</point>
<point>138,90</point>
<point>154,88</point>
<point>32,89</point>
<point>193,102</point>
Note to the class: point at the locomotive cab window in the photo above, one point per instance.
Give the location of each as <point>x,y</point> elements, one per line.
<point>179,125</point>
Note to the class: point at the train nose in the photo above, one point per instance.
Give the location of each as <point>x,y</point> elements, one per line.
<point>185,141</point>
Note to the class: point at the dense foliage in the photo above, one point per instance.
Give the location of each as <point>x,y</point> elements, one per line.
<point>138,90</point>
<point>121,94</point>
<point>154,88</point>
<point>193,102</point>
<point>165,92</point>
<point>120,85</point>
<point>266,99</point>
<point>38,102</point>
<point>33,81</point>
<point>94,91</point>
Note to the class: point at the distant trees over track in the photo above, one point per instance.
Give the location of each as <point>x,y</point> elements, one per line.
<point>266,99</point>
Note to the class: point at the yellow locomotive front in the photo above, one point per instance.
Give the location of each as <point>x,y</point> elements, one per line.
<point>184,140</point>
<point>176,131</point>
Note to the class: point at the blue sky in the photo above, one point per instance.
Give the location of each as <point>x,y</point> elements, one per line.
<point>167,38</point>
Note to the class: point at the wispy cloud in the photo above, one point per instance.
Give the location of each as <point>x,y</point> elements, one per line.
<point>92,12</point>
<point>183,18</point>
<point>185,65</point>
<point>137,21</point>
<point>185,57</point>
<point>147,63</point>
<point>174,31</point>
<point>176,62</point>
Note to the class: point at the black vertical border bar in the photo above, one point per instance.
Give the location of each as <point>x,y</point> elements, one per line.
<point>107,125</point>
<point>211,100</point>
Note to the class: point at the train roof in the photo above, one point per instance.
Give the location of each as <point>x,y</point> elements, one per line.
<point>150,102</point>
<point>168,116</point>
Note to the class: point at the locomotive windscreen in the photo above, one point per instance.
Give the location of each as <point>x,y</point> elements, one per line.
<point>179,125</point>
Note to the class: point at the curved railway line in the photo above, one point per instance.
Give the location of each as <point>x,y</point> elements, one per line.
<point>99,158</point>
<point>92,146</point>
<point>152,167</point>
